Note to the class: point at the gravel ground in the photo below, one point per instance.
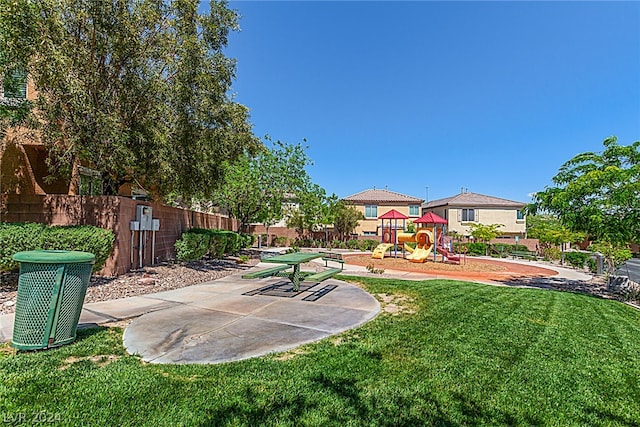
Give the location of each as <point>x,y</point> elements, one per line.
<point>161,277</point>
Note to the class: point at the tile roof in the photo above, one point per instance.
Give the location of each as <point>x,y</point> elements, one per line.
<point>473,200</point>
<point>382,196</point>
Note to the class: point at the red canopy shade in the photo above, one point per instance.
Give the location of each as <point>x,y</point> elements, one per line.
<point>393,214</point>
<point>430,218</point>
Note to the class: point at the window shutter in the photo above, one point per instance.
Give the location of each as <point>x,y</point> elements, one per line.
<point>477,214</point>
<point>459,215</point>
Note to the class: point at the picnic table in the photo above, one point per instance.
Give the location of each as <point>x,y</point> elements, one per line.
<point>294,260</point>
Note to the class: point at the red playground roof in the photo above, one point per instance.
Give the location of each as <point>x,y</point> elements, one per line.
<point>393,214</point>
<point>430,218</point>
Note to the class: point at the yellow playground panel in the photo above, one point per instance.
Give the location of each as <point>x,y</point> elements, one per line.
<point>380,250</point>
<point>424,244</point>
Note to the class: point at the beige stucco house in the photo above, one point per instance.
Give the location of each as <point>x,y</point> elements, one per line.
<point>374,203</point>
<point>468,208</point>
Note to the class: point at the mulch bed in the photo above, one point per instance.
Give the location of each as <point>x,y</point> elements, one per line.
<point>469,268</point>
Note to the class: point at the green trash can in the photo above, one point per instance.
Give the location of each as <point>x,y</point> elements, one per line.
<point>51,289</point>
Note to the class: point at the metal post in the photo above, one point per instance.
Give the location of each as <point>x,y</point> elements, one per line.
<point>140,249</point>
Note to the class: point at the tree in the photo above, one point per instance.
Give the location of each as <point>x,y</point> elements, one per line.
<point>255,187</point>
<point>17,40</point>
<point>306,214</point>
<point>138,89</point>
<point>328,214</point>
<point>485,232</point>
<point>598,193</point>
<point>551,232</point>
<point>346,218</point>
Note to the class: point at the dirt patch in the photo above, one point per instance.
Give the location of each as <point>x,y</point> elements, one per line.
<point>395,304</point>
<point>291,354</point>
<point>99,360</point>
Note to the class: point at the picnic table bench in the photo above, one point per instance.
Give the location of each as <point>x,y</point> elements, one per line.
<point>334,257</point>
<point>268,272</point>
<point>293,260</point>
<point>524,254</point>
<point>323,275</point>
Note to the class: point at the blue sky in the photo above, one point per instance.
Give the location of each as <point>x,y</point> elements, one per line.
<point>489,96</point>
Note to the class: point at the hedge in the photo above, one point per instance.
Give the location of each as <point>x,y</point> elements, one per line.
<point>17,237</point>
<point>196,243</point>
<point>577,259</point>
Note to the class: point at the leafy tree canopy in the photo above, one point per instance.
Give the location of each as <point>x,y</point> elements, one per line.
<point>346,218</point>
<point>598,193</point>
<point>550,231</point>
<point>485,232</point>
<point>139,89</point>
<point>256,187</point>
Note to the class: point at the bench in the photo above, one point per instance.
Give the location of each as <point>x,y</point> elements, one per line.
<point>265,273</point>
<point>323,275</point>
<point>332,256</point>
<point>524,254</point>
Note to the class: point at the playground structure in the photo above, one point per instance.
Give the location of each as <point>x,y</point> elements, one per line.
<point>424,244</point>
<point>427,241</point>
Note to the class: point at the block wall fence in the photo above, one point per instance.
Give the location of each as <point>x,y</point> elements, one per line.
<point>113,213</point>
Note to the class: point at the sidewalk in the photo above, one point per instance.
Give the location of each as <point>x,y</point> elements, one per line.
<point>214,322</point>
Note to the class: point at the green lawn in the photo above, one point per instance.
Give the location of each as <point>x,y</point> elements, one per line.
<point>469,354</point>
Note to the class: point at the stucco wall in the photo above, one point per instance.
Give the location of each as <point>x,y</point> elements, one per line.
<point>506,217</point>
<point>373,224</point>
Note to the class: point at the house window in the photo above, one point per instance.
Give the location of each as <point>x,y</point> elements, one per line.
<point>414,210</point>
<point>14,85</point>
<point>90,182</point>
<point>369,233</point>
<point>519,214</point>
<point>468,215</point>
<point>371,211</point>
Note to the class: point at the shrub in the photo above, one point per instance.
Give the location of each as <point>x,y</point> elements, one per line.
<point>551,254</point>
<point>85,238</point>
<point>217,244</point>
<point>198,242</point>
<point>477,248</point>
<point>592,264</point>
<point>192,246</point>
<point>234,242</point>
<point>460,248</point>
<point>304,243</point>
<point>352,244</point>
<point>249,240</point>
<point>17,237</point>
<point>280,241</point>
<point>502,249</point>
<point>371,268</point>
<point>577,259</point>
<point>367,244</point>
<point>337,244</point>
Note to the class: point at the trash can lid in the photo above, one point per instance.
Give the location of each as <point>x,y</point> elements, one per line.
<point>54,257</point>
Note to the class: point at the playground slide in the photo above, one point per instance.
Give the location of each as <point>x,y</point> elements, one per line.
<point>420,254</point>
<point>450,256</point>
<point>380,250</point>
